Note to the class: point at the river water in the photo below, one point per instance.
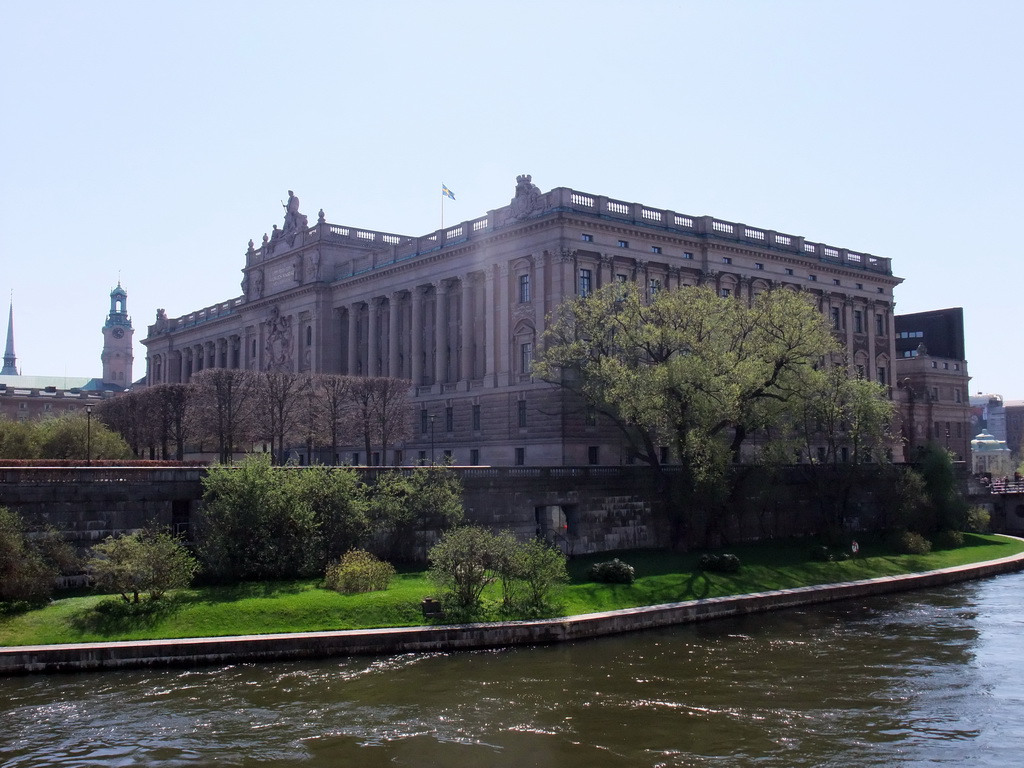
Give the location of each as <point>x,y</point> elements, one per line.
<point>923,678</point>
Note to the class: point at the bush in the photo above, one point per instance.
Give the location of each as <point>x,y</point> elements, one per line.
<point>948,540</point>
<point>613,572</point>
<point>358,571</point>
<point>978,520</point>
<point>910,543</point>
<point>720,563</point>
<point>146,561</point>
<point>462,564</point>
<point>540,568</point>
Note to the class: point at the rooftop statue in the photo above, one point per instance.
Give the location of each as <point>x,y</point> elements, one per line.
<point>528,199</point>
<point>294,221</point>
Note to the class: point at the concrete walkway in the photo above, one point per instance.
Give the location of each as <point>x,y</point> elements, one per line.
<point>189,652</point>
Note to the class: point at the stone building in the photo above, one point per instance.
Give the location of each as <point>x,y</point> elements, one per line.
<point>460,312</point>
<point>932,379</point>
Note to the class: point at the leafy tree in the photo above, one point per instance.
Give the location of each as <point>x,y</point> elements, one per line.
<point>540,568</point>
<point>18,440</point>
<point>30,561</point>
<point>404,503</point>
<point>689,368</point>
<point>145,561</point>
<point>262,522</point>
<point>949,510</point>
<point>74,435</point>
<point>462,564</point>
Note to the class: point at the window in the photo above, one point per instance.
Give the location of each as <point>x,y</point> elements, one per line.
<point>878,289</point>
<point>526,358</point>
<point>858,321</point>
<point>355,459</point>
<point>424,421</point>
<point>591,416</point>
<point>663,454</point>
<point>586,282</point>
<point>621,278</point>
<point>476,418</point>
<point>860,371</point>
<point>860,286</point>
<point>813,278</point>
<point>727,259</point>
<point>959,429</point>
<point>789,271</point>
<point>655,249</point>
<point>879,325</point>
<point>447,455</point>
<point>623,243</point>
<point>422,458</point>
<point>956,396</point>
<point>375,459</point>
<point>521,413</point>
<point>654,287</point>
<point>956,366</point>
<point>945,366</point>
<point>449,419</point>
<point>520,457</point>
<point>398,457</point>
<point>934,364</point>
<point>309,335</point>
<point>594,454</point>
<point>882,375</point>
<point>687,255</point>
<point>758,265</point>
<point>587,238</point>
<point>836,281</point>
<point>474,456</point>
<point>834,311</point>
<point>524,289</point>
<point>726,293</point>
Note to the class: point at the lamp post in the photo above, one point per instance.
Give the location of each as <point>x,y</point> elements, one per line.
<point>431,439</point>
<point>88,434</point>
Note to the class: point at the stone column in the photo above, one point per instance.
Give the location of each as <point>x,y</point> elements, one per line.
<point>353,340</point>
<point>465,309</point>
<point>491,313</point>
<point>440,333</point>
<point>394,337</point>
<point>372,338</point>
<point>416,332</point>
<point>872,371</point>
<point>848,320</point>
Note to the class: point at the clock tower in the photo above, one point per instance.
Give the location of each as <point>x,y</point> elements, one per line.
<point>117,341</point>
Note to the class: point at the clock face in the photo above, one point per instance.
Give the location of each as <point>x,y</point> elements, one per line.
<point>118,333</point>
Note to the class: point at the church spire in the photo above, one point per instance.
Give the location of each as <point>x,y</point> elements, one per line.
<point>10,368</point>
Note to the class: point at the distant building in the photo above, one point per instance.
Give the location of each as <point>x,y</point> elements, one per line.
<point>990,456</point>
<point>1014,411</point>
<point>460,312</point>
<point>987,414</point>
<point>33,397</point>
<point>932,381</point>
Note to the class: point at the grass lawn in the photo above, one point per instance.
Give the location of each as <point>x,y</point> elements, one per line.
<point>297,606</point>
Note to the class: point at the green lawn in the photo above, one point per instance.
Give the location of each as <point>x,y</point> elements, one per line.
<point>296,606</point>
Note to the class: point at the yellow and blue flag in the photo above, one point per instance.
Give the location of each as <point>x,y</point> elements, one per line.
<point>447,192</point>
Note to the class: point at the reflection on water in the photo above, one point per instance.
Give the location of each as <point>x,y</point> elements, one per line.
<point>925,678</point>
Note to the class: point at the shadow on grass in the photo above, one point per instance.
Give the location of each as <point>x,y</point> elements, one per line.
<point>230,593</point>
<point>114,616</point>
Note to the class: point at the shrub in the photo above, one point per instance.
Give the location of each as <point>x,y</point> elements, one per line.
<point>540,568</point>
<point>613,572</point>
<point>358,571</point>
<point>948,540</point>
<point>978,520</point>
<point>910,543</point>
<point>462,564</point>
<point>720,563</point>
<point>820,553</point>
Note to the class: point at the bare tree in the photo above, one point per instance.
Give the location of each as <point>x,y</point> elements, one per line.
<point>280,401</point>
<point>333,399</point>
<point>381,412</point>
<point>172,408</point>
<point>225,400</point>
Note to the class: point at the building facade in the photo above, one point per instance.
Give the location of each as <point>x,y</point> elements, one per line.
<point>117,356</point>
<point>933,383</point>
<point>460,312</point>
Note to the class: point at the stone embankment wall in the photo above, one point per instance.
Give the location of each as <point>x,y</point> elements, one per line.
<point>313,645</point>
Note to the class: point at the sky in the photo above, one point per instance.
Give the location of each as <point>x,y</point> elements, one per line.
<point>146,143</point>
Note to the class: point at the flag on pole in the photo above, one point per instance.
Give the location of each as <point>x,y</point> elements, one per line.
<point>447,192</point>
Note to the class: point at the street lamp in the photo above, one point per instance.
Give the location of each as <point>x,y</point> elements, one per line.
<point>431,439</point>
<point>88,434</point>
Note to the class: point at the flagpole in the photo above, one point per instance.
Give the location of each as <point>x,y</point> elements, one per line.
<point>442,208</point>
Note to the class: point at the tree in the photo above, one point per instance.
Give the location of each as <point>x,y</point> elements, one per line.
<point>279,398</point>
<point>145,561</point>
<point>401,504</point>
<point>174,405</point>
<point>224,406</point>
<point>462,564</point>
<point>30,561</point>
<point>18,440</point>
<point>689,368</point>
<point>265,522</point>
<point>333,402</point>
<point>75,435</point>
